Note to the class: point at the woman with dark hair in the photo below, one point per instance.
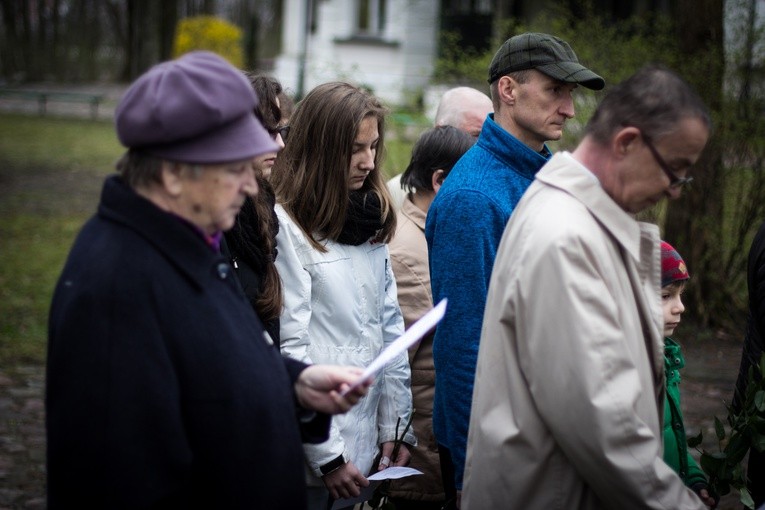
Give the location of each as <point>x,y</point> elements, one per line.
<point>433,156</point>
<point>251,243</point>
<point>340,305</point>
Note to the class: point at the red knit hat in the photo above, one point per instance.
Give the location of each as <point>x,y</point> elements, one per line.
<point>673,267</point>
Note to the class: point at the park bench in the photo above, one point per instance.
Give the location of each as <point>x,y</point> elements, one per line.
<point>44,96</point>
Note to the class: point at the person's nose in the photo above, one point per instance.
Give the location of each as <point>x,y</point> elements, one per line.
<point>679,306</point>
<point>567,107</point>
<point>279,141</point>
<point>367,161</point>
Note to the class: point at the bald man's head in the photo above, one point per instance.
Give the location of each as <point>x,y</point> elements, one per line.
<point>464,108</point>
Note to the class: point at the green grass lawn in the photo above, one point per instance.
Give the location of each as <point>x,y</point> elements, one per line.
<point>51,171</point>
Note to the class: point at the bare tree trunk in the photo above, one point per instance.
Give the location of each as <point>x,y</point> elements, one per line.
<point>136,60</point>
<point>42,47</point>
<point>694,222</point>
<point>55,45</point>
<point>167,23</point>
<point>116,14</point>
<point>11,47</point>
<point>208,7</point>
<point>747,71</point>
<point>27,43</point>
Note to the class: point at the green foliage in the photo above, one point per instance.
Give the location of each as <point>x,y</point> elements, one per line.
<point>402,130</point>
<point>209,33</point>
<point>630,45</point>
<point>747,431</point>
<point>457,65</point>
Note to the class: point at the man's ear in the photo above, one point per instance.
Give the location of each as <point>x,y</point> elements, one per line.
<point>172,177</point>
<point>625,141</point>
<point>437,179</point>
<point>507,88</point>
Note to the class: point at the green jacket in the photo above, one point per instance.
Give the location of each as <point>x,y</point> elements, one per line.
<point>676,453</point>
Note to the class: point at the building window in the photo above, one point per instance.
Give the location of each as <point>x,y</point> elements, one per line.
<point>468,6</point>
<point>370,20</point>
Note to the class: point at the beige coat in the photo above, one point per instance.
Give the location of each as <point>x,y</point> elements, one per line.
<point>409,258</point>
<point>566,409</point>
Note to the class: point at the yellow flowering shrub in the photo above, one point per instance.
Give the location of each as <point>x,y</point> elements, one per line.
<point>209,33</point>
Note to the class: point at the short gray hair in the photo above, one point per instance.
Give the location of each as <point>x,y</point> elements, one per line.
<point>520,77</point>
<point>139,169</point>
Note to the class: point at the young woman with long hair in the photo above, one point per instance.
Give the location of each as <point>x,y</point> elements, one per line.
<point>251,243</point>
<point>340,303</point>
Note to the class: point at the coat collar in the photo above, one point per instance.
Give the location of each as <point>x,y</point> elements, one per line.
<point>179,243</point>
<point>509,150</point>
<point>414,213</point>
<point>569,175</point>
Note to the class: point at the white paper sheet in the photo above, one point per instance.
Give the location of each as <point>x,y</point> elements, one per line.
<point>392,473</point>
<point>415,332</point>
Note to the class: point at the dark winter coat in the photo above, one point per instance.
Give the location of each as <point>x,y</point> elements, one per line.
<point>753,349</point>
<point>161,391</point>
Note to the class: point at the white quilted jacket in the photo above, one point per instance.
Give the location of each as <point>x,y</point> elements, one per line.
<point>340,307</point>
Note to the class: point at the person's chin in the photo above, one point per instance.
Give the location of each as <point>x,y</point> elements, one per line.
<point>637,207</point>
<point>555,134</point>
<point>226,224</point>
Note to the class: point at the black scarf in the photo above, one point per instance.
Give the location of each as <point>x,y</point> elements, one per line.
<point>244,238</point>
<point>363,220</point>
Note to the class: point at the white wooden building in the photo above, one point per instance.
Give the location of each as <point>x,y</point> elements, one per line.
<point>389,46</point>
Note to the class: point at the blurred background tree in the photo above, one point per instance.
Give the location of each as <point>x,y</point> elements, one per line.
<point>116,40</point>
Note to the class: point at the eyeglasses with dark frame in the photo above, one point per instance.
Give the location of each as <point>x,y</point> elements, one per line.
<point>282,131</point>
<point>675,182</point>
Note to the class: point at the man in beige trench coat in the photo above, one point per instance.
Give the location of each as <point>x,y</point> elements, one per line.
<point>568,391</point>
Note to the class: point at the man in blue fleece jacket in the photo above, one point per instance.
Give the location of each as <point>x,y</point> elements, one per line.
<point>532,77</point>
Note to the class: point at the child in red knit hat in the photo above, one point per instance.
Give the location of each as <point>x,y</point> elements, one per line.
<point>674,275</point>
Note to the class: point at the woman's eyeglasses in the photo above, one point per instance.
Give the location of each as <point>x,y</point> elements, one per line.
<point>280,131</point>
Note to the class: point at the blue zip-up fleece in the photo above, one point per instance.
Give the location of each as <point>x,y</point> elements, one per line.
<point>464,227</point>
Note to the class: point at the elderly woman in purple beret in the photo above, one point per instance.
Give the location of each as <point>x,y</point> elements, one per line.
<point>161,389</point>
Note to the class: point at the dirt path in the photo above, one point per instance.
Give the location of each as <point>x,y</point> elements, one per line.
<point>22,439</point>
<point>707,386</point>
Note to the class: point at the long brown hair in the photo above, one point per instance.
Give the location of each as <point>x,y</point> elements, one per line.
<point>256,225</point>
<point>310,177</point>
<point>268,90</point>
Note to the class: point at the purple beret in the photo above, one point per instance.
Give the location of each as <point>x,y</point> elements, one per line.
<point>197,109</point>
